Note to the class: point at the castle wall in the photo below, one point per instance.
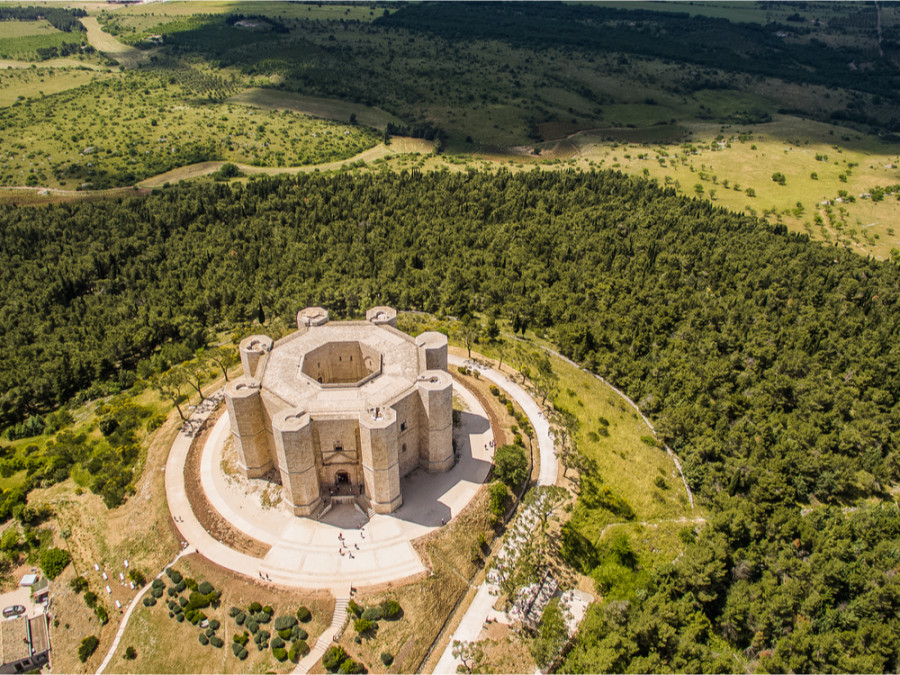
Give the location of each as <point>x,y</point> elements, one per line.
<point>379,455</point>
<point>296,459</point>
<point>436,391</point>
<point>409,422</point>
<point>250,427</point>
<point>336,441</point>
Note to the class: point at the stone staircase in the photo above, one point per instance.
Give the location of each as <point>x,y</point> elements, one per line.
<point>326,639</point>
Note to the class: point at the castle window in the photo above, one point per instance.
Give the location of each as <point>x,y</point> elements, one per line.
<point>403,425</point>
<point>338,446</point>
<point>403,447</point>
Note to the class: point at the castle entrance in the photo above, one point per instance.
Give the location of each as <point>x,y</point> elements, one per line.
<point>341,478</point>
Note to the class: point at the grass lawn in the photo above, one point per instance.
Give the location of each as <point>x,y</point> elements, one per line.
<point>17,29</point>
<point>19,84</point>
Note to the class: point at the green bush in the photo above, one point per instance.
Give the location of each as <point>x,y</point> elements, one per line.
<point>353,607</point>
<point>203,639</point>
<point>78,584</point>
<point>391,610</point>
<point>298,650</point>
<point>304,615</point>
<point>262,617</point>
<point>498,495</point>
<point>239,618</point>
<point>183,602</point>
<point>53,561</point>
<point>205,588</point>
<point>157,584</point>
<point>286,633</point>
<point>88,646</point>
<point>130,653</point>
<point>233,612</point>
<point>283,622</point>
<point>190,583</point>
<point>277,641</point>
<point>371,614</point>
<point>333,657</point>
<point>268,610</point>
<point>279,653</point>
<point>179,618</point>
<point>237,648</point>
<point>350,667</point>
<point>156,592</point>
<point>214,624</point>
<point>298,633</point>
<point>387,658</point>
<point>209,632</point>
<point>171,591</point>
<point>180,586</point>
<point>244,654</point>
<point>241,639</point>
<point>511,465</point>
<point>255,607</point>
<point>217,642</point>
<point>149,601</point>
<point>364,626</point>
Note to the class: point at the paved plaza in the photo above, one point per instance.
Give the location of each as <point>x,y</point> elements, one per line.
<point>306,553</point>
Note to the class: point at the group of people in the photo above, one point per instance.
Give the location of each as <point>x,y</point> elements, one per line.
<point>344,544</point>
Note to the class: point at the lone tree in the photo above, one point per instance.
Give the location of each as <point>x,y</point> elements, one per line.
<point>470,331</point>
<point>224,357</point>
<point>511,465</point>
<point>171,385</point>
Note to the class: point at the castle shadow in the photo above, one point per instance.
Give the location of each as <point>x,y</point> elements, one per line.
<point>428,497</point>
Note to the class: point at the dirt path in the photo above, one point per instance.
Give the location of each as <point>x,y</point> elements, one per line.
<point>128,57</point>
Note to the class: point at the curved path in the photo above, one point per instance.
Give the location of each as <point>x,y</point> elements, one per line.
<point>134,603</point>
<point>304,553</point>
<point>483,604</point>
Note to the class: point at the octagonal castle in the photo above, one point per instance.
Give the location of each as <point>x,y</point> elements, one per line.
<point>342,409</point>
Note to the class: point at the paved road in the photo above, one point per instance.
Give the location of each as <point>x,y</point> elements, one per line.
<point>482,605</point>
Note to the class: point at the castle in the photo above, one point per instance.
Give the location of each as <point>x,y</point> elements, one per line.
<point>342,409</point>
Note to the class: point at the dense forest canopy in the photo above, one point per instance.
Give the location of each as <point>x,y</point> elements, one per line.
<point>770,363</point>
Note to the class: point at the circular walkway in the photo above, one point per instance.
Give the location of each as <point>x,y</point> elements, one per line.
<point>305,553</point>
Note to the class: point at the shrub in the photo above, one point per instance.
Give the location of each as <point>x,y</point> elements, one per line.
<point>498,497</point>
<point>277,642</point>
<point>391,610</point>
<point>209,632</point>
<point>364,626</point>
<point>217,642</point>
<point>350,666</point>
<point>511,465</point>
<point>203,639</point>
<point>130,653</point>
<point>279,653</point>
<point>179,618</point>
<point>372,614</point>
<point>304,615</point>
<point>102,614</point>
<point>198,600</point>
<point>298,650</point>
<point>171,591</point>
<point>387,658</point>
<point>149,601</point>
<point>214,624</point>
<point>239,618</point>
<point>205,588</point>
<point>233,612</point>
<point>283,622</point>
<point>262,617</point>
<point>268,610</point>
<point>157,584</point>
<point>244,654</point>
<point>333,657</point>
<point>255,607</point>
<point>237,648</point>
<point>241,639</point>
<point>298,633</point>
<point>353,607</point>
<point>180,586</point>
<point>78,584</point>
<point>88,646</point>
<point>494,390</point>
<point>53,561</point>
<point>251,625</point>
<point>286,633</point>
<point>183,602</point>
<point>156,592</point>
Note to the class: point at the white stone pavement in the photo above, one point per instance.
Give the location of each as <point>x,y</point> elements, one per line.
<point>482,605</point>
<point>305,553</point>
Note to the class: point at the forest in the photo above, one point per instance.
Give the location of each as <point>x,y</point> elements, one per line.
<point>769,363</point>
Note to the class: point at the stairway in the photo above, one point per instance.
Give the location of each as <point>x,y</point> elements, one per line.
<point>327,638</point>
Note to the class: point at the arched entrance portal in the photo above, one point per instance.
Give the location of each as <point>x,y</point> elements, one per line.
<point>341,478</point>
